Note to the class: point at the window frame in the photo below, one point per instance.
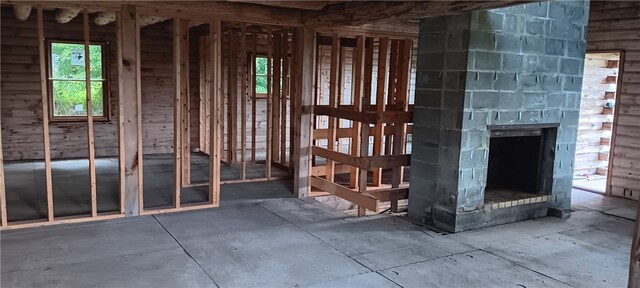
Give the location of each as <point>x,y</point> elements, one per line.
<point>104,45</point>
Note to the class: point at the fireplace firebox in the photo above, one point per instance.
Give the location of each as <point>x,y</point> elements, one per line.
<point>520,162</point>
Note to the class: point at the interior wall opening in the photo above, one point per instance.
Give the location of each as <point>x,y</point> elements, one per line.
<point>597,121</point>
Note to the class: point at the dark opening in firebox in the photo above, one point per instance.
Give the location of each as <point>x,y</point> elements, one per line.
<point>520,163</point>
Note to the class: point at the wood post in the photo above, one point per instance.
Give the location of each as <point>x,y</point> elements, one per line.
<point>130,111</point>
<point>333,102</point>
<point>232,115</point>
<point>45,116</point>
<point>216,101</point>
<point>275,115</point>
<point>269,104</point>
<point>380,103</point>
<point>357,95</point>
<point>254,49</point>
<point>185,120</point>
<point>243,95</point>
<point>87,83</point>
<point>3,194</point>
<point>303,67</point>
<point>283,99</point>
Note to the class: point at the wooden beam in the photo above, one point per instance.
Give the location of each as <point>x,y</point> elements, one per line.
<point>284,95</point>
<point>355,13</point>
<point>185,120</point>
<point>357,95</point>
<point>130,120</point>
<point>224,11</point>
<point>356,197</point>
<point>275,106</point>
<point>340,157</point>
<point>389,194</point>
<point>348,114</point>
<point>254,126</point>
<point>303,67</point>
<point>388,161</point>
<point>177,110</point>
<point>383,45</point>
<point>216,101</point>
<point>91,144</point>
<point>269,103</point>
<point>45,116</point>
<point>243,107</point>
<point>3,194</point>
<point>232,104</point>
<point>333,101</point>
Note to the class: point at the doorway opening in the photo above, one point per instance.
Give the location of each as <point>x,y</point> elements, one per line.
<point>597,118</point>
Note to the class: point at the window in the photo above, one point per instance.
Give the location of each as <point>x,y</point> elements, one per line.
<point>261,75</point>
<point>66,83</point>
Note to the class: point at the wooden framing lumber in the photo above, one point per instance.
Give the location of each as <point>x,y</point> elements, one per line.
<point>333,101</point>
<point>3,192</point>
<point>284,95</point>
<point>303,69</point>
<point>243,107</point>
<point>380,97</point>
<point>269,104</point>
<point>356,13</point>
<point>214,66</point>
<point>356,197</point>
<point>389,161</point>
<point>348,132</point>
<point>91,144</point>
<point>358,83</point>
<point>275,102</point>
<point>322,170</point>
<point>185,120</point>
<point>178,37</point>
<point>130,121</point>
<point>232,112</point>
<point>335,156</point>
<point>45,115</point>
<point>254,50</point>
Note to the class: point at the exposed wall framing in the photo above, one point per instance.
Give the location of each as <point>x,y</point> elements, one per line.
<point>362,132</point>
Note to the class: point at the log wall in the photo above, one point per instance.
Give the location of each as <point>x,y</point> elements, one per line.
<point>614,26</point>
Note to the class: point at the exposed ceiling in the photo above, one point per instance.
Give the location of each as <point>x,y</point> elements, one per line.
<point>303,5</point>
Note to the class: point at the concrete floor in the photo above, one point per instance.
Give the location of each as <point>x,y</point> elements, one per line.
<point>301,243</point>
<point>26,196</point>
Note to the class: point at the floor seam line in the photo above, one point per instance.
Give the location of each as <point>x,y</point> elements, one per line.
<point>314,236</point>
<point>385,277</point>
<point>427,260</point>
<point>525,267</point>
<point>186,252</point>
<point>89,260</point>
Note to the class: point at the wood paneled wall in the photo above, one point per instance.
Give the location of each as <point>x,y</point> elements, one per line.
<point>21,107</point>
<point>614,26</point>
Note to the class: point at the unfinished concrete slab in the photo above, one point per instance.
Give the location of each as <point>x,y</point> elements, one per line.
<point>50,246</point>
<point>148,269</point>
<point>302,243</point>
<point>471,269</point>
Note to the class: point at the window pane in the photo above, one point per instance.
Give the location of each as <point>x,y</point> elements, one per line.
<point>95,55</point>
<point>97,99</point>
<point>67,61</point>
<point>69,98</point>
<point>261,66</point>
<point>261,84</point>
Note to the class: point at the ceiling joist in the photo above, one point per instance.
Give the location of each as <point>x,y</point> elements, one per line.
<point>358,13</point>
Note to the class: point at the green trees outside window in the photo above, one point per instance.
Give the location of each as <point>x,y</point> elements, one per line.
<point>67,86</point>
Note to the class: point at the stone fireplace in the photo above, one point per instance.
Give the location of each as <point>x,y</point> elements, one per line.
<point>496,115</point>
